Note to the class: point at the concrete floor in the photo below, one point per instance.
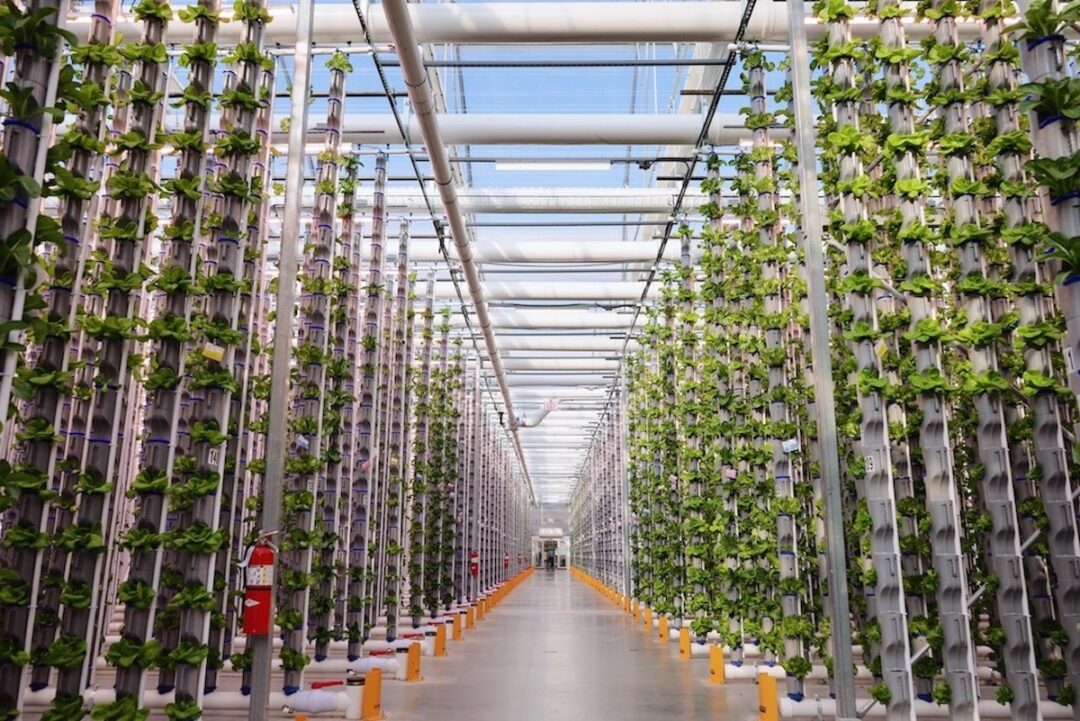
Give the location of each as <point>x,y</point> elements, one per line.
<point>556,650</point>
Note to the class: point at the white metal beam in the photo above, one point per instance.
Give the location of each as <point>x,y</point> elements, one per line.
<point>541,250</point>
<point>542,129</point>
<point>526,22</point>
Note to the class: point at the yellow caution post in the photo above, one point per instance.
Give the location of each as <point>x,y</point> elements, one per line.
<point>663,628</point>
<point>647,617</point>
<point>371,705</point>
<point>684,643</point>
<point>440,640</point>
<point>768,700</point>
<point>412,663</point>
<point>457,627</point>
<point>470,617</point>
<point>635,607</point>
<point>716,665</point>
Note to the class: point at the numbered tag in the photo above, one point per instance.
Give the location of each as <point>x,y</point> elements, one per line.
<point>790,445</point>
<point>213,457</point>
<point>213,352</point>
<point>303,442</point>
<point>870,466</point>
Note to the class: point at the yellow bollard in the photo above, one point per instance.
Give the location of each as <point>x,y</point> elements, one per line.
<point>470,617</point>
<point>647,618</point>
<point>412,663</point>
<point>768,701</point>
<point>663,628</point>
<point>626,604</point>
<point>371,705</point>
<point>716,665</point>
<point>440,640</point>
<point>480,609</point>
<point>457,627</point>
<point>684,643</point>
<point>635,607</point>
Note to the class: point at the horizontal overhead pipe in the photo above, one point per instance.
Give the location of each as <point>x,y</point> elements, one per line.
<point>596,380</point>
<point>527,22</point>
<point>563,290</point>
<point>565,343</point>
<point>541,129</point>
<point>551,250</point>
<point>552,319</point>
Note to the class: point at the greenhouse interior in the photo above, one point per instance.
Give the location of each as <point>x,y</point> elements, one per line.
<point>628,359</point>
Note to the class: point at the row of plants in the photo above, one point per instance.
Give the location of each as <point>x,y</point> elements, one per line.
<point>142,379</point>
<point>950,395</point>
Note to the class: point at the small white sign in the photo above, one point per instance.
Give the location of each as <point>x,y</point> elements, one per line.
<point>790,445</point>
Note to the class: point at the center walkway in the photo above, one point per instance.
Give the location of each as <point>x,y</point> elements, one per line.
<point>556,650</point>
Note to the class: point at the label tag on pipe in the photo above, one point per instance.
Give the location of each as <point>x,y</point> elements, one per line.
<point>790,445</point>
<point>213,352</point>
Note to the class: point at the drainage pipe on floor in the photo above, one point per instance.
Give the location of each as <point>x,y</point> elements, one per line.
<point>826,708</point>
<point>416,80</point>
<point>346,702</point>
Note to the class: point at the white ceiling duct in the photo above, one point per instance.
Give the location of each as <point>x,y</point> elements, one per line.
<point>576,364</point>
<point>531,420</point>
<point>540,129</point>
<point>554,381</point>
<point>551,251</point>
<point>563,290</point>
<point>555,319</point>
<point>562,343</point>
<point>529,200</point>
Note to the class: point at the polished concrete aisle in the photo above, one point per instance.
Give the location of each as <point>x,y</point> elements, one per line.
<point>556,650</point>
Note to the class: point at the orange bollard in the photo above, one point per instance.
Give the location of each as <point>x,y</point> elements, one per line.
<point>440,640</point>
<point>412,663</point>
<point>716,666</point>
<point>663,634</point>
<point>470,618</point>
<point>768,701</point>
<point>457,627</point>
<point>371,706</point>
<point>684,643</point>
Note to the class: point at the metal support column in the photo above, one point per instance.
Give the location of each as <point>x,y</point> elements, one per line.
<point>844,681</point>
<point>262,646</point>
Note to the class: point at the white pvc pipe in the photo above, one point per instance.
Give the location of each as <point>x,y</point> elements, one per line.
<point>826,708</point>
<point>549,250</point>
<point>589,381</point>
<point>576,364</point>
<point>566,343</point>
<point>529,319</point>
<point>389,665</point>
<point>314,701</point>
<point>514,200</point>
<point>528,22</point>
<point>562,290</point>
<point>541,129</point>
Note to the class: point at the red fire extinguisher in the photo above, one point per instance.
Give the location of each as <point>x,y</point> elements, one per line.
<point>259,585</point>
<point>474,564</point>
<point>506,560</point>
